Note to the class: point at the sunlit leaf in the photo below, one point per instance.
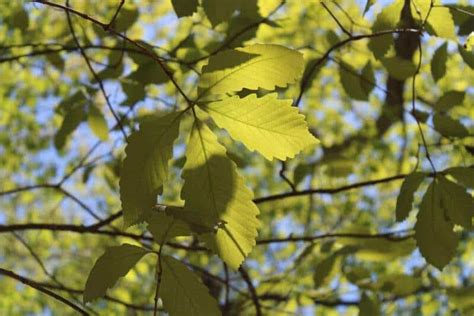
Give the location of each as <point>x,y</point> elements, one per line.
<point>268,125</point>
<point>222,199</point>
<point>251,67</point>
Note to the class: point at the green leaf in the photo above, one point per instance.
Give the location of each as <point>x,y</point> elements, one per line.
<point>72,119</point>
<point>268,125</point>
<point>438,63</point>
<point>449,127</point>
<point>369,305</point>
<point>458,204</point>
<point>461,299</point>
<point>97,123</point>
<point>184,7</point>
<point>397,284</point>
<point>464,175</point>
<point>449,100</point>
<point>469,45</point>
<point>149,73</point>
<point>367,81</point>
<point>219,11</point>
<point>388,19</point>
<point>433,231</point>
<point>125,19</point>
<point>146,165</point>
<point>323,270</point>
<point>368,4</point>
<point>352,83</point>
<point>251,67</point>
<point>399,68</point>
<point>112,265</point>
<point>214,189</point>
<point>407,192</point>
<point>19,19</point>
<point>420,116</point>
<point>134,91</point>
<point>183,293</point>
<point>164,227</point>
<point>467,56</point>
<point>56,60</point>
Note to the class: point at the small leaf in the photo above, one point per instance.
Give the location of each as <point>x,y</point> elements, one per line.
<point>219,10</point>
<point>72,119</point>
<point>149,73</point>
<point>19,19</point>
<point>441,21</point>
<point>268,125</point>
<point>367,78</point>
<point>184,7</point>
<point>97,123</point>
<point>433,231</point>
<point>146,165</point>
<point>323,270</point>
<point>222,199</point>
<point>368,4</point>
<point>183,293</point>
<point>459,204</point>
<point>449,127</point>
<point>125,19</point>
<point>388,19</point>
<point>467,56</point>
<point>251,67</point>
<point>352,83</point>
<point>420,116</point>
<point>112,265</point>
<point>399,68</point>
<point>407,191</point>
<point>464,175</point>
<point>449,100</point>
<point>438,63</point>
<point>369,306</point>
<point>56,60</point>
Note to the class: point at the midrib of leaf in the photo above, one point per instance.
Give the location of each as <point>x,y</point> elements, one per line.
<point>206,159</point>
<point>234,71</point>
<point>181,285</point>
<point>246,123</point>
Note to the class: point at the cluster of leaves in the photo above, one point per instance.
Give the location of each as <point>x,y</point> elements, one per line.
<point>181,179</point>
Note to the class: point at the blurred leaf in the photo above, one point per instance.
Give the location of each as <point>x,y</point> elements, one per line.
<point>458,204</point>
<point>185,7</point>
<point>438,62</point>
<point>399,68</point>
<point>369,305</point>
<point>449,100</point>
<point>97,123</point>
<point>449,127</point>
<point>406,195</point>
<point>433,231</point>
<point>464,175</point>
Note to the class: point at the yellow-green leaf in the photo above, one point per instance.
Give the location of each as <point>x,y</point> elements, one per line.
<point>438,63</point>
<point>146,165</point>
<point>251,67</point>
<point>268,125</point>
<point>214,189</point>
<point>97,123</point>
<point>183,293</point>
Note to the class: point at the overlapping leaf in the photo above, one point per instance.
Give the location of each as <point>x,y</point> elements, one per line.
<point>251,67</point>
<point>112,265</point>
<point>268,125</point>
<point>433,230</point>
<point>146,165</point>
<point>182,292</point>
<point>215,190</point>
<point>407,191</point>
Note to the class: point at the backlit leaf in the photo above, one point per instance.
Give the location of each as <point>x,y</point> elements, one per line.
<point>97,123</point>
<point>268,125</point>
<point>433,230</point>
<point>112,265</point>
<point>222,199</point>
<point>407,192</point>
<point>251,67</point>
<point>146,165</point>
<point>438,62</point>
<point>183,293</point>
